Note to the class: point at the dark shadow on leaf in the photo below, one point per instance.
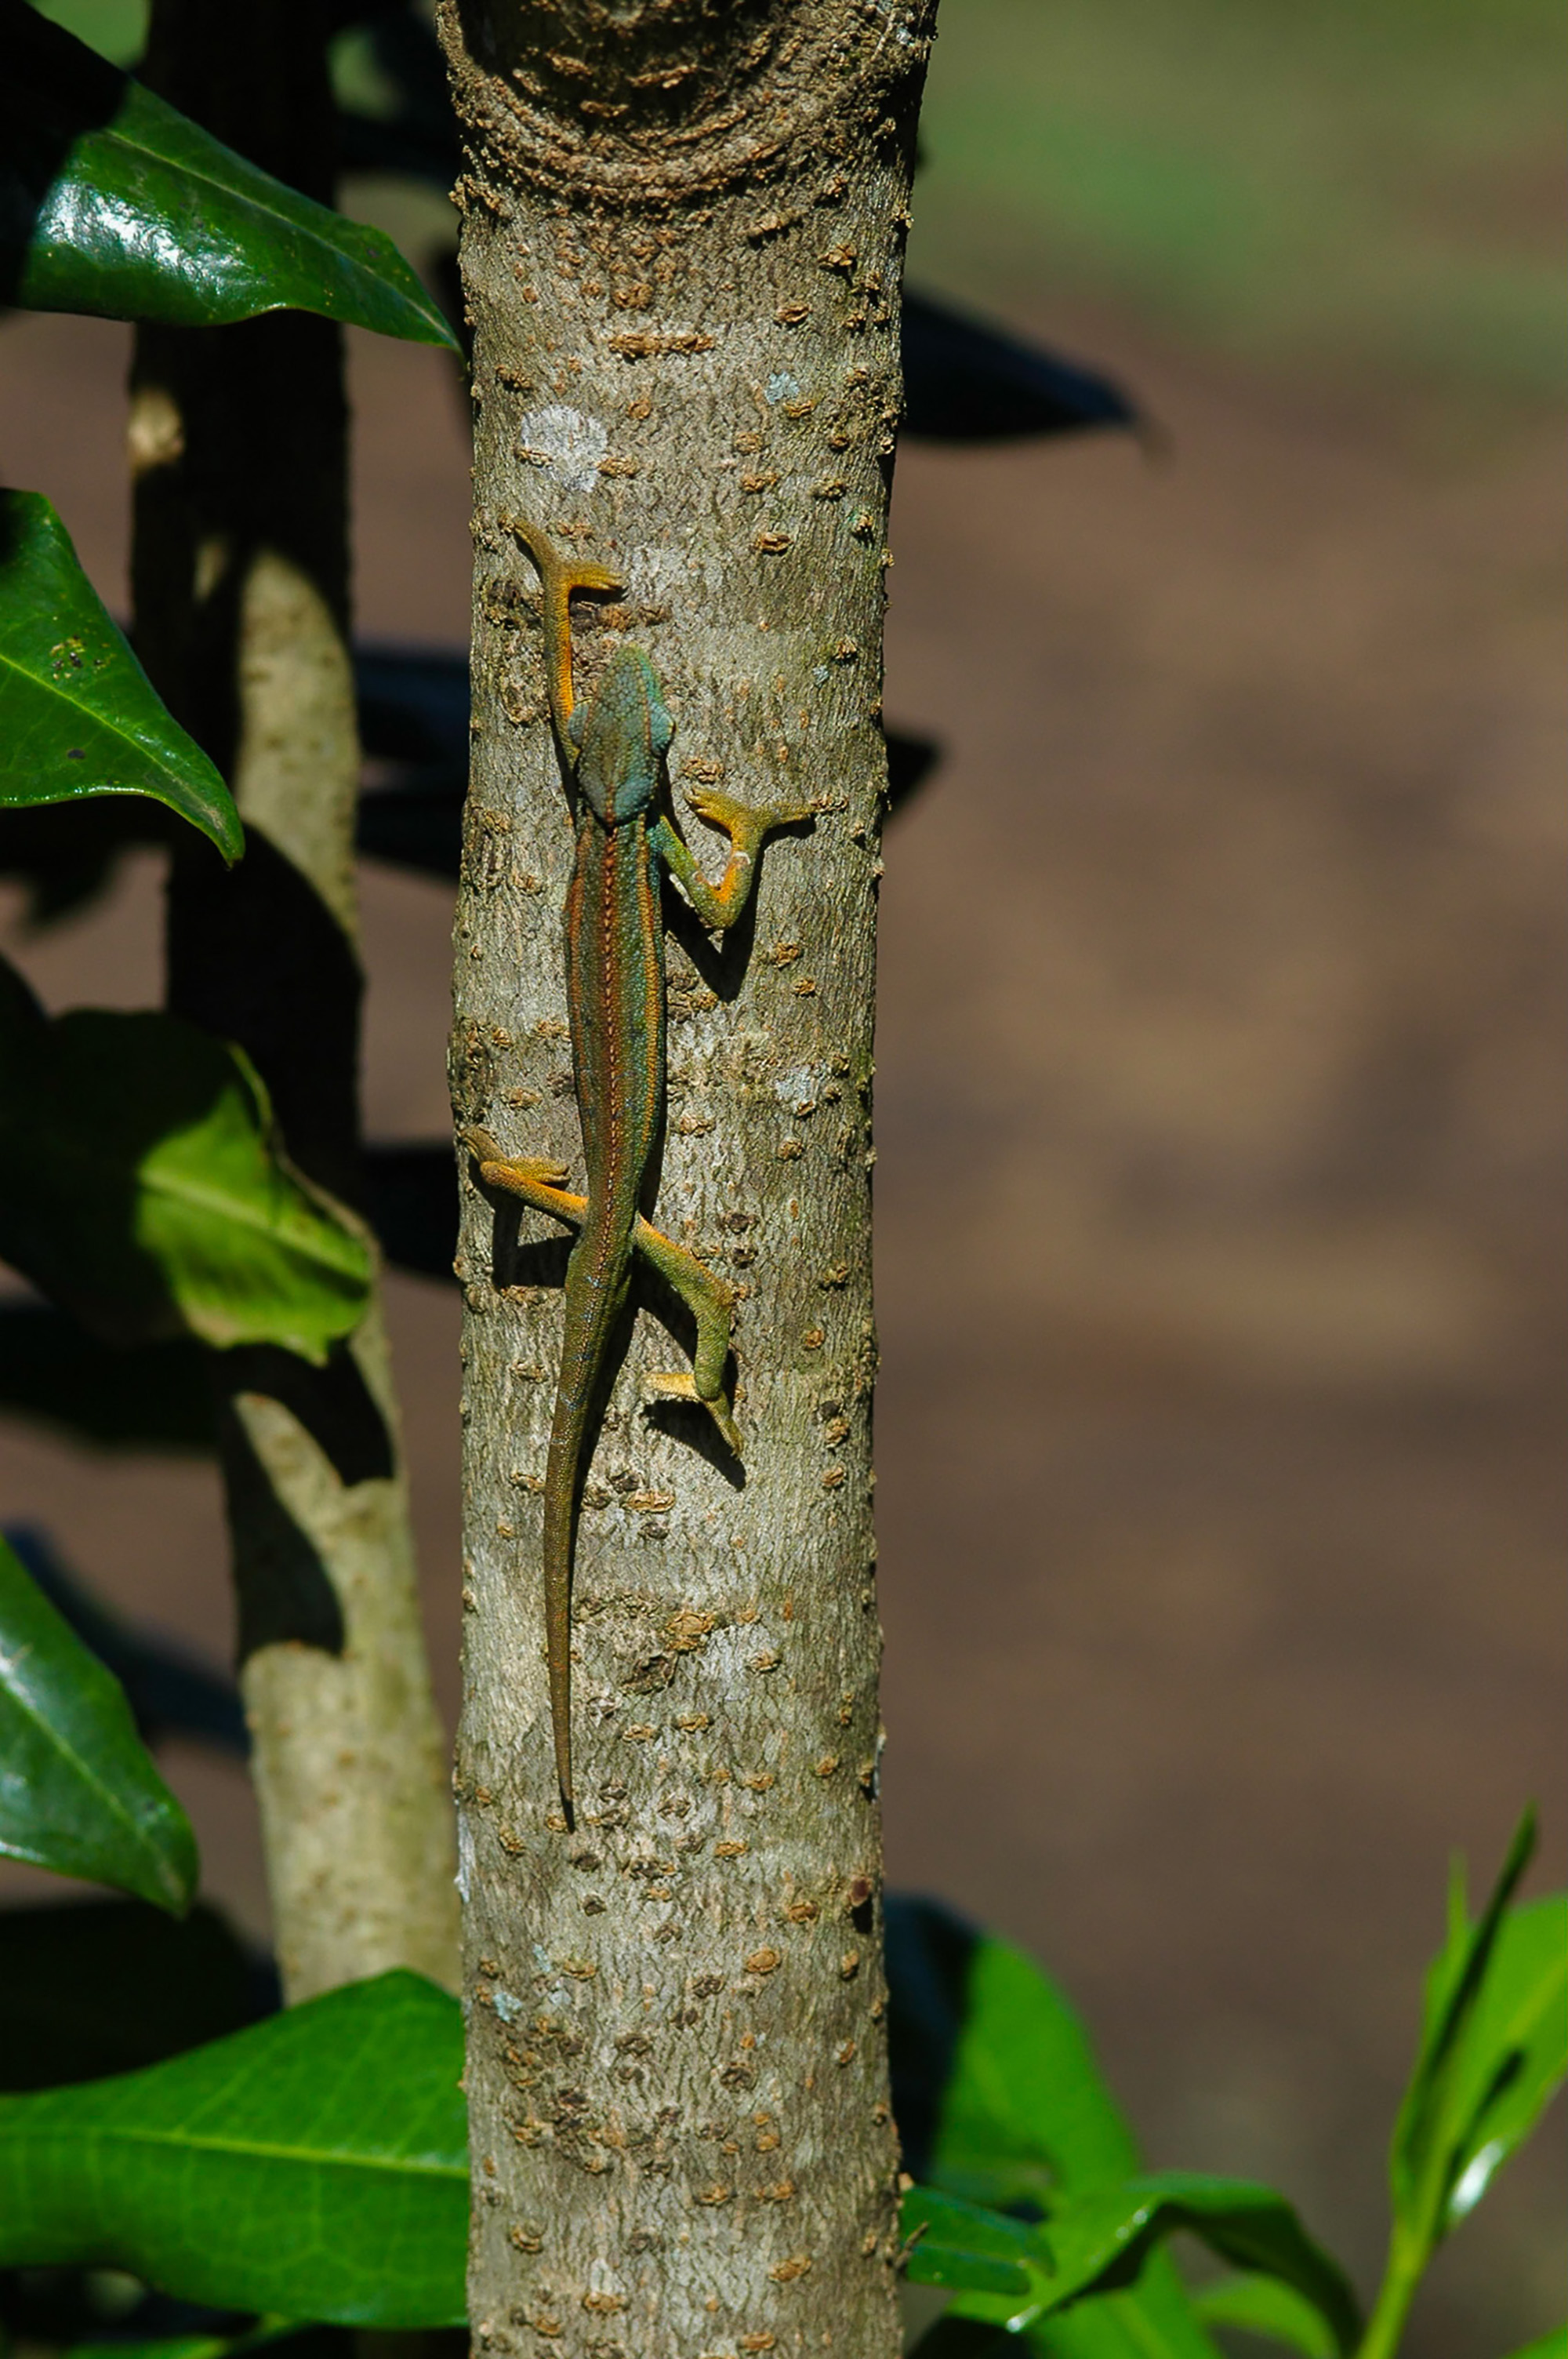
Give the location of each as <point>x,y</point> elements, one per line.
<point>911,763</point>
<point>66,854</point>
<point>966,2338</point>
<point>148,1397</point>
<point>52,90</point>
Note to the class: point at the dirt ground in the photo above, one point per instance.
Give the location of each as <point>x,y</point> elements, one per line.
<point>1219,1244</point>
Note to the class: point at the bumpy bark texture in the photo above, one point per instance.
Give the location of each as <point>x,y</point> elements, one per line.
<point>682,243</point>
<point>240,564</point>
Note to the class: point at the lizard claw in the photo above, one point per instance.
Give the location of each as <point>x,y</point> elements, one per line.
<point>683,1387</point>
<point>718,810</point>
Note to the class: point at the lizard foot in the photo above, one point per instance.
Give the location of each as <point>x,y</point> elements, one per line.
<point>683,1387</point>
<point>502,1170</point>
<point>746,824</point>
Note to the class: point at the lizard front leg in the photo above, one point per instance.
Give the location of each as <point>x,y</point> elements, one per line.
<point>747,825</point>
<point>710,1302</point>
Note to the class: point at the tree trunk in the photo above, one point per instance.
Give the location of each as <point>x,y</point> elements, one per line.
<point>682,244</point>
<point>240,562</point>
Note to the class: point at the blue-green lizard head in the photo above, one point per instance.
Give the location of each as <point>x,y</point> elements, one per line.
<point>620,733</point>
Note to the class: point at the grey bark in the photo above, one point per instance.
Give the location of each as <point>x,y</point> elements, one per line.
<point>682,246</point>
<point>240,564</point>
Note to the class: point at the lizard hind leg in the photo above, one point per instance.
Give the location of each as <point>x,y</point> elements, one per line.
<point>712,1305</point>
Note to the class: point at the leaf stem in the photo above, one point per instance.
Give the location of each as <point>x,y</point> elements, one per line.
<point>1385,2329</point>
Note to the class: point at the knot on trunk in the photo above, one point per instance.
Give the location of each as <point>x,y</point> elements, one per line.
<point>648,100</point>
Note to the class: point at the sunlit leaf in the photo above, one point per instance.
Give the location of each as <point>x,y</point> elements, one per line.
<point>79,1792</point>
<point>1494,2050</point>
<point>962,2246</point>
<point>995,2076</point>
<point>113,203</point>
<point>1155,2319</point>
<point>78,714</point>
<point>1515,2050</point>
<point>315,2166</point>
<point>1025,2111</point>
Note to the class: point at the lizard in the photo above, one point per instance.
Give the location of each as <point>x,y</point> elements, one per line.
<point>612,748</point>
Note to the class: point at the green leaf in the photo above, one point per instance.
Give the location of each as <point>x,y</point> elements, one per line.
<point>1494,2049</point>
<point>1155,2319</point>
<point>1105,2235</point>
<point>78,714</point>
<point>78,1789</point>
<point>1025,2116</point>
<point>1263,2305</point>
<point>142,1187</point>
<point>1025,2111</point>
<point>1552,2345</point>
<point>1514,2053</point>
<point>119,205</point>
<point>961,2245</point>
<point>315,2166</point>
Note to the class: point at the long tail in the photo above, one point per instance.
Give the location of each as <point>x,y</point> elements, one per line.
<point>596,1285</point>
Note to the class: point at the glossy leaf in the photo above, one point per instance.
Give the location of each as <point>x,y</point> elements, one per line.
<point>79,1793</point>
<point>78,714</point>
<point>114,203</point>
<point>1105,2235</point>
<point>1515,2053</point>
<point>315,2166</point>
<point>142,1188</point>
<point>1263,2305</point>
<point>53,1373</point>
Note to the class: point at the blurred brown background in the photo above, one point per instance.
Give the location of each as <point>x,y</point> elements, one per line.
<point>1218,1122</point>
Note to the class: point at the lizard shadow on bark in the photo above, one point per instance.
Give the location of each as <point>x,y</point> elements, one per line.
<point>721,960</point>
<point>542,1261</point>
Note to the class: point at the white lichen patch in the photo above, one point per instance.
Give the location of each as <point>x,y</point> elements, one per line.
<point>567,445</point>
